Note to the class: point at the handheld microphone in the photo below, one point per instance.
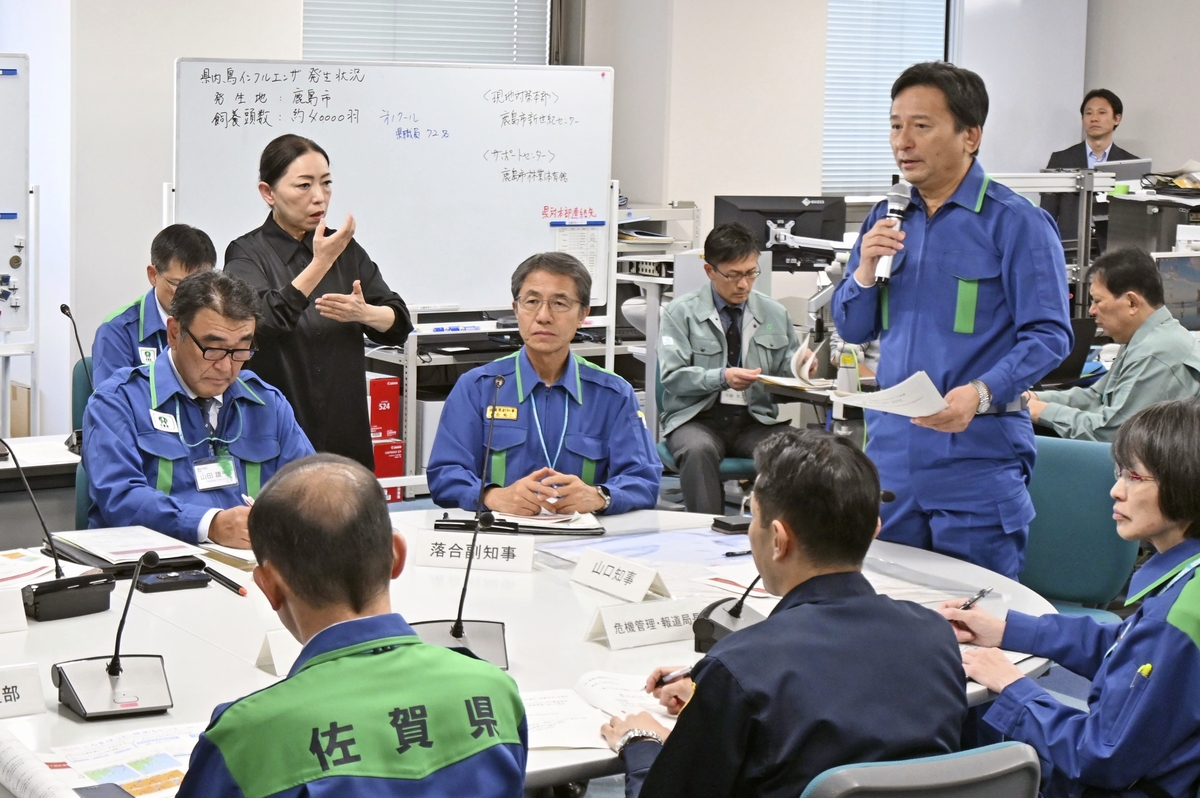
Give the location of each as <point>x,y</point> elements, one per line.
<point>60,597</point>
<point>898,199</point>
<point>480,639</point>
<point>65,309</point>
<point>99,687</point>
<point>149,559</point>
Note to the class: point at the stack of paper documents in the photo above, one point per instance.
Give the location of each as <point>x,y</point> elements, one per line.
<point>572,718</point>
<point>127,544</point>
<point>801,383</point>
<point>242,559</point>
<point>580,522</point>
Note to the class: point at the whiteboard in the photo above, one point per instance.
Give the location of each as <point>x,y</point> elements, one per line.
<point>15,278</point>
<point>454,173</point>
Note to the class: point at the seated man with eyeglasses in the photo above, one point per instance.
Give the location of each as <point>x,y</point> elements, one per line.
<point>568,435</point>
<point>712,346</point>
<point>136,333</point>
<point>178,444</point>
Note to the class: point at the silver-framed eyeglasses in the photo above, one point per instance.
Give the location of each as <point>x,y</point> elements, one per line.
<point>558,304</point>
<point>737,277</point>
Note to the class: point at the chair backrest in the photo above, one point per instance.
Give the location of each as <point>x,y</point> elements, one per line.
<point>83,501</point>
<point>1074,553</point>
<point>81,391</point>
<point>1004,770</point>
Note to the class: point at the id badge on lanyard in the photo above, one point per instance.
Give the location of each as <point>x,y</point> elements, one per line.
<point>213,473</point>
<point>730,396</point>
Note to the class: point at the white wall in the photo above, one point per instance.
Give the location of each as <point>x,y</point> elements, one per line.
<point>1030,53</point>
<point>43,31</point>
<point>1144,52</point>
<point>122,94</point>
<point>713,97</point>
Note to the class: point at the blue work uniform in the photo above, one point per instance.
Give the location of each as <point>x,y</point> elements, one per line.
<point>142,436</point>
<point>430,722</point>
<point>587,424</point>
<point>781,701</point>
<point>1143,718</point>
<point>978,292</point>
<point>133,335</point>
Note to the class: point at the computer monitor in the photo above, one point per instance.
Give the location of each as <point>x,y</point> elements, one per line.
<point>1127,170</point>
<point>813,217</point>
<point>1181,286</point>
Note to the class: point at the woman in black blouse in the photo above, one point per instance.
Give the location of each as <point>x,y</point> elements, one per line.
<point>320,293</point>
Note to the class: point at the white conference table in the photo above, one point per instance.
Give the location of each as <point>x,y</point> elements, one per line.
<point>211,638</point>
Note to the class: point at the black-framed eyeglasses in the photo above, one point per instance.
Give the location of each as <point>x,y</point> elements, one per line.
<point>558,304</point>
<point>215,353</point>
<point>737,277</point>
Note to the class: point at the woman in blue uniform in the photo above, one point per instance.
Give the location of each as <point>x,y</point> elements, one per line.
<point>1141,733</point>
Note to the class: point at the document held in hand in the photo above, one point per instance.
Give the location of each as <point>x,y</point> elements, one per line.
<point>916,397</point>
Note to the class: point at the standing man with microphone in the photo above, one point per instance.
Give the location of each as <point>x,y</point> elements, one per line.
<point>976,298</point>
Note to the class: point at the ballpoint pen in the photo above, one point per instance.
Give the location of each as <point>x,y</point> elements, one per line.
<point>673,677</point>
<point>973,600</point>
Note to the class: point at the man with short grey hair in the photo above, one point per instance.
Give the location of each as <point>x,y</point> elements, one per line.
<point>569,436</point>
<point>177,443</point>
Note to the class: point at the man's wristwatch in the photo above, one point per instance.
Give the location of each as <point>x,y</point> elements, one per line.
<point>636,734</point>
<point>985,397</point>
<point>604,494</point>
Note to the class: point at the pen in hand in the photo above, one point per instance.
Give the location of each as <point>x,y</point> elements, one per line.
<point>666,679</point>
<point>971,602</point>
<point>738,553</point>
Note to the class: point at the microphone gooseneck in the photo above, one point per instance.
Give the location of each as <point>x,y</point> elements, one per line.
<point>149,559</point>
<point>484,518</point>
<point>65,309</point>
<point>736,610</point>
<point>58,571</point>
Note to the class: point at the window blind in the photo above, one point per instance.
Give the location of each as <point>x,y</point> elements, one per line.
<point>455,31</point>
<point>869,43</point>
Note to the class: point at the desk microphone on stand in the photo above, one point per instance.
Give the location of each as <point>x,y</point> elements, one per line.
<point>95,688</point>
<point>75,442</point>
<point>60,597</point>
<point>481,639</point>
<point>714,622</point>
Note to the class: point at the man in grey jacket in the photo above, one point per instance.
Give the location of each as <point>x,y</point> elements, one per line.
<point>713,344</point>
<point>1158,359</point>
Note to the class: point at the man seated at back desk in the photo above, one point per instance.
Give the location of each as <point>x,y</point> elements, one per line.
<point>837,674</point>
<point>568,436</point>
<point>367,708</point>
<point>1158,359</point>
<point>176,444</point>
<point>713,344</point>
<point>136,334</point>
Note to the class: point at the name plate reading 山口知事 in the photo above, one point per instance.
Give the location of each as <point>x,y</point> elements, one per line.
<point>21,690</point>
<point>617,576</point>
<point>442,548</point>
<point>646,623</point>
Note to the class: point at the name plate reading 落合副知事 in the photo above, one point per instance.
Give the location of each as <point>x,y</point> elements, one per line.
<point>450,549</point>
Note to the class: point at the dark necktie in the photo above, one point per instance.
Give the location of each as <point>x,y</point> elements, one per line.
<point>733,337</point>
<point>205,406</point>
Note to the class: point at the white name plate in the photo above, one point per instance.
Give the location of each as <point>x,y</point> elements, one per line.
<point>279,651</point>
<point>449,549</point>
<point>20,691</point>
<point>647,622</point>
<point>626,579</point>
<point>12,612</point>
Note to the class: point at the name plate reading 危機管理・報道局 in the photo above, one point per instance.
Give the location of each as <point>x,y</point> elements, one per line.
<point>21,691</point>
<point>449,549</point>
<point>646,623</point>
<point>625,579</point>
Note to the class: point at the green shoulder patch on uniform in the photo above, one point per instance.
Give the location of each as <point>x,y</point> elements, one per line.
<point>1185,612</point>
<point>392,708</point>
<point>120,310</point>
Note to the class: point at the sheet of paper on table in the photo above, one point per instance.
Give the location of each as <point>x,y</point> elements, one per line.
<point>20,567</point>
<point>572,718</point>
<point>736,578</point>
<point>915,397</point>
<point>127,543</point>
<point>553,522</point>
<point>26,775</point>
<point>149,763</point>
<point>1013,656</point>
<point>656,549</point>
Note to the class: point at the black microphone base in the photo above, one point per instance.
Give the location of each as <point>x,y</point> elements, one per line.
<point>86,688</point>
<point>69,597</point>
<point>480,639</point>
<point>714,622</point>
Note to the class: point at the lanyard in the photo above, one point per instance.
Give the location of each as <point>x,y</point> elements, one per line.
<point>538,423</point>
<point>208,439</point>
